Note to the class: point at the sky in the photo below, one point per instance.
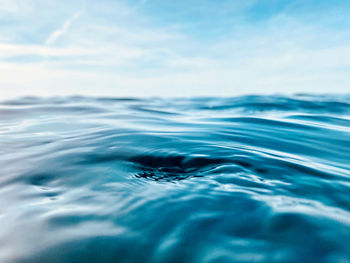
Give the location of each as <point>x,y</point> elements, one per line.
<point>181,48</point>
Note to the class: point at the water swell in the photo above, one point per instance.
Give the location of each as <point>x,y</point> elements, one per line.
<point>245,179</point>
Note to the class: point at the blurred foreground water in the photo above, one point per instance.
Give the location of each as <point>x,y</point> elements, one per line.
<point>244,179</point>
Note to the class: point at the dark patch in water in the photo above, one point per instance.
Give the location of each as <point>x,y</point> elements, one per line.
<point>173,168</point>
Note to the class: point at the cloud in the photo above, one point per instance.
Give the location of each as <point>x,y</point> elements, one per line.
<point>54,36</point>
<point>10,50</point>
<point>135,7</point>
<point>146,54</point>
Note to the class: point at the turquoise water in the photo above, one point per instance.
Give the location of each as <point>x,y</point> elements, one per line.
<point>243,179</point>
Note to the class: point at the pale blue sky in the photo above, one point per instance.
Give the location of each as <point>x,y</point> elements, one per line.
<point>173,48</point>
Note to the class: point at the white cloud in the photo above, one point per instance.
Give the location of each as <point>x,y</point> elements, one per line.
<point>10,50</point>
<point>295,72</point>
<point>108,53</point>
<point>135,7</point>
<point>59,32</point>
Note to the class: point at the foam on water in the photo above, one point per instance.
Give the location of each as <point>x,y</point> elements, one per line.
<point>244,179</point>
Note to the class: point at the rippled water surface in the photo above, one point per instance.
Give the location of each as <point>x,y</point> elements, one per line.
<point>244,179</point>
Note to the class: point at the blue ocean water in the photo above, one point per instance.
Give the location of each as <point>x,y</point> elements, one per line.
<point>242,179</point>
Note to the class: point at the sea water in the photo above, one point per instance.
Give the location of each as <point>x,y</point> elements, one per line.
<point>242,179</point>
